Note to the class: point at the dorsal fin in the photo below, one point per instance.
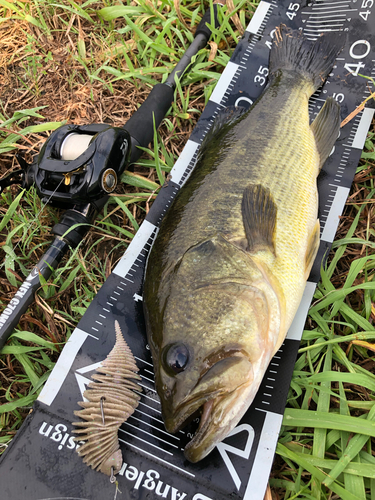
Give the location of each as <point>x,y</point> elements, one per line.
<point>224,120</point>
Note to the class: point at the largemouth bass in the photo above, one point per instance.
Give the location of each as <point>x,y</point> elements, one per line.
<point>229,265</point>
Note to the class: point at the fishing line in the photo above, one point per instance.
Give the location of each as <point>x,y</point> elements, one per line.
<point>117,491</point>
<point>33,221</point>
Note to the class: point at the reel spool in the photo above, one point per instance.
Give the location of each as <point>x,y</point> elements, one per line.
<point>79,164</point>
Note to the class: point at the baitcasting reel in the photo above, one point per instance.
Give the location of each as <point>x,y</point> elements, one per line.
<point>78,164</point>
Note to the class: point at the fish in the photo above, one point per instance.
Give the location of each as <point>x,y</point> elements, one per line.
<point>229,265</point>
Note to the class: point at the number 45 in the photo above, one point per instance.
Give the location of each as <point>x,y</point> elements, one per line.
<point>292,10</point>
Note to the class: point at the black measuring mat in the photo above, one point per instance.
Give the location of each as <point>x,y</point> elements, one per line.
<point>41,461</point>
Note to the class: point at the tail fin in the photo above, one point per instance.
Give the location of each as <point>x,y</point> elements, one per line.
<point>311,59</point>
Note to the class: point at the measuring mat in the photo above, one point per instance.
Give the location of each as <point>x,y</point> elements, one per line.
<point>41,462</point>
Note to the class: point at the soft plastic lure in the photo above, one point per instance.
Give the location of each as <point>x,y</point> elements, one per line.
<point>111,401</point>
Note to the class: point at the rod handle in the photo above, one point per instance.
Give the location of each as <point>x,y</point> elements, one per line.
<point>19,304</point>
<point>141,124</point>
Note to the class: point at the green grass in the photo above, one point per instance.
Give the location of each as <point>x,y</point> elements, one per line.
<point>67,61</point>
<point>327,439</point>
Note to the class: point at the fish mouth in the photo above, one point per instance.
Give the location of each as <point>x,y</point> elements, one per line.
<point>195,450</point>
<point>221,404</point>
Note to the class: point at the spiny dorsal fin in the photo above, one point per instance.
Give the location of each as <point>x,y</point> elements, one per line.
<point>326,127</point>
<point>259,218</point>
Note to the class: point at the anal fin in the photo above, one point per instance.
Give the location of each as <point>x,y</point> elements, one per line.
<point>326,128</point>
<point>259,218</point>
<point>312,248</point>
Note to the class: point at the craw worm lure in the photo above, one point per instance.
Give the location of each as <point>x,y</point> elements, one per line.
<point>110,402</point>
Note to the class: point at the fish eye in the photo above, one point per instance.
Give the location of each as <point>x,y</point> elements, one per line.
<point>176,357</point>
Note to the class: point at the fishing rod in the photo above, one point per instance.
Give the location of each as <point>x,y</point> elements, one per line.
<point>80,165</point>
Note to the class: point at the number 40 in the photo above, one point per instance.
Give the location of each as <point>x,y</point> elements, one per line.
<point>362,49</point>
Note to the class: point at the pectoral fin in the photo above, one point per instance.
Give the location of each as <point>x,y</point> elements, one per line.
<point>312,248</point>
<point>259,218</point>
<point>326,128</point>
